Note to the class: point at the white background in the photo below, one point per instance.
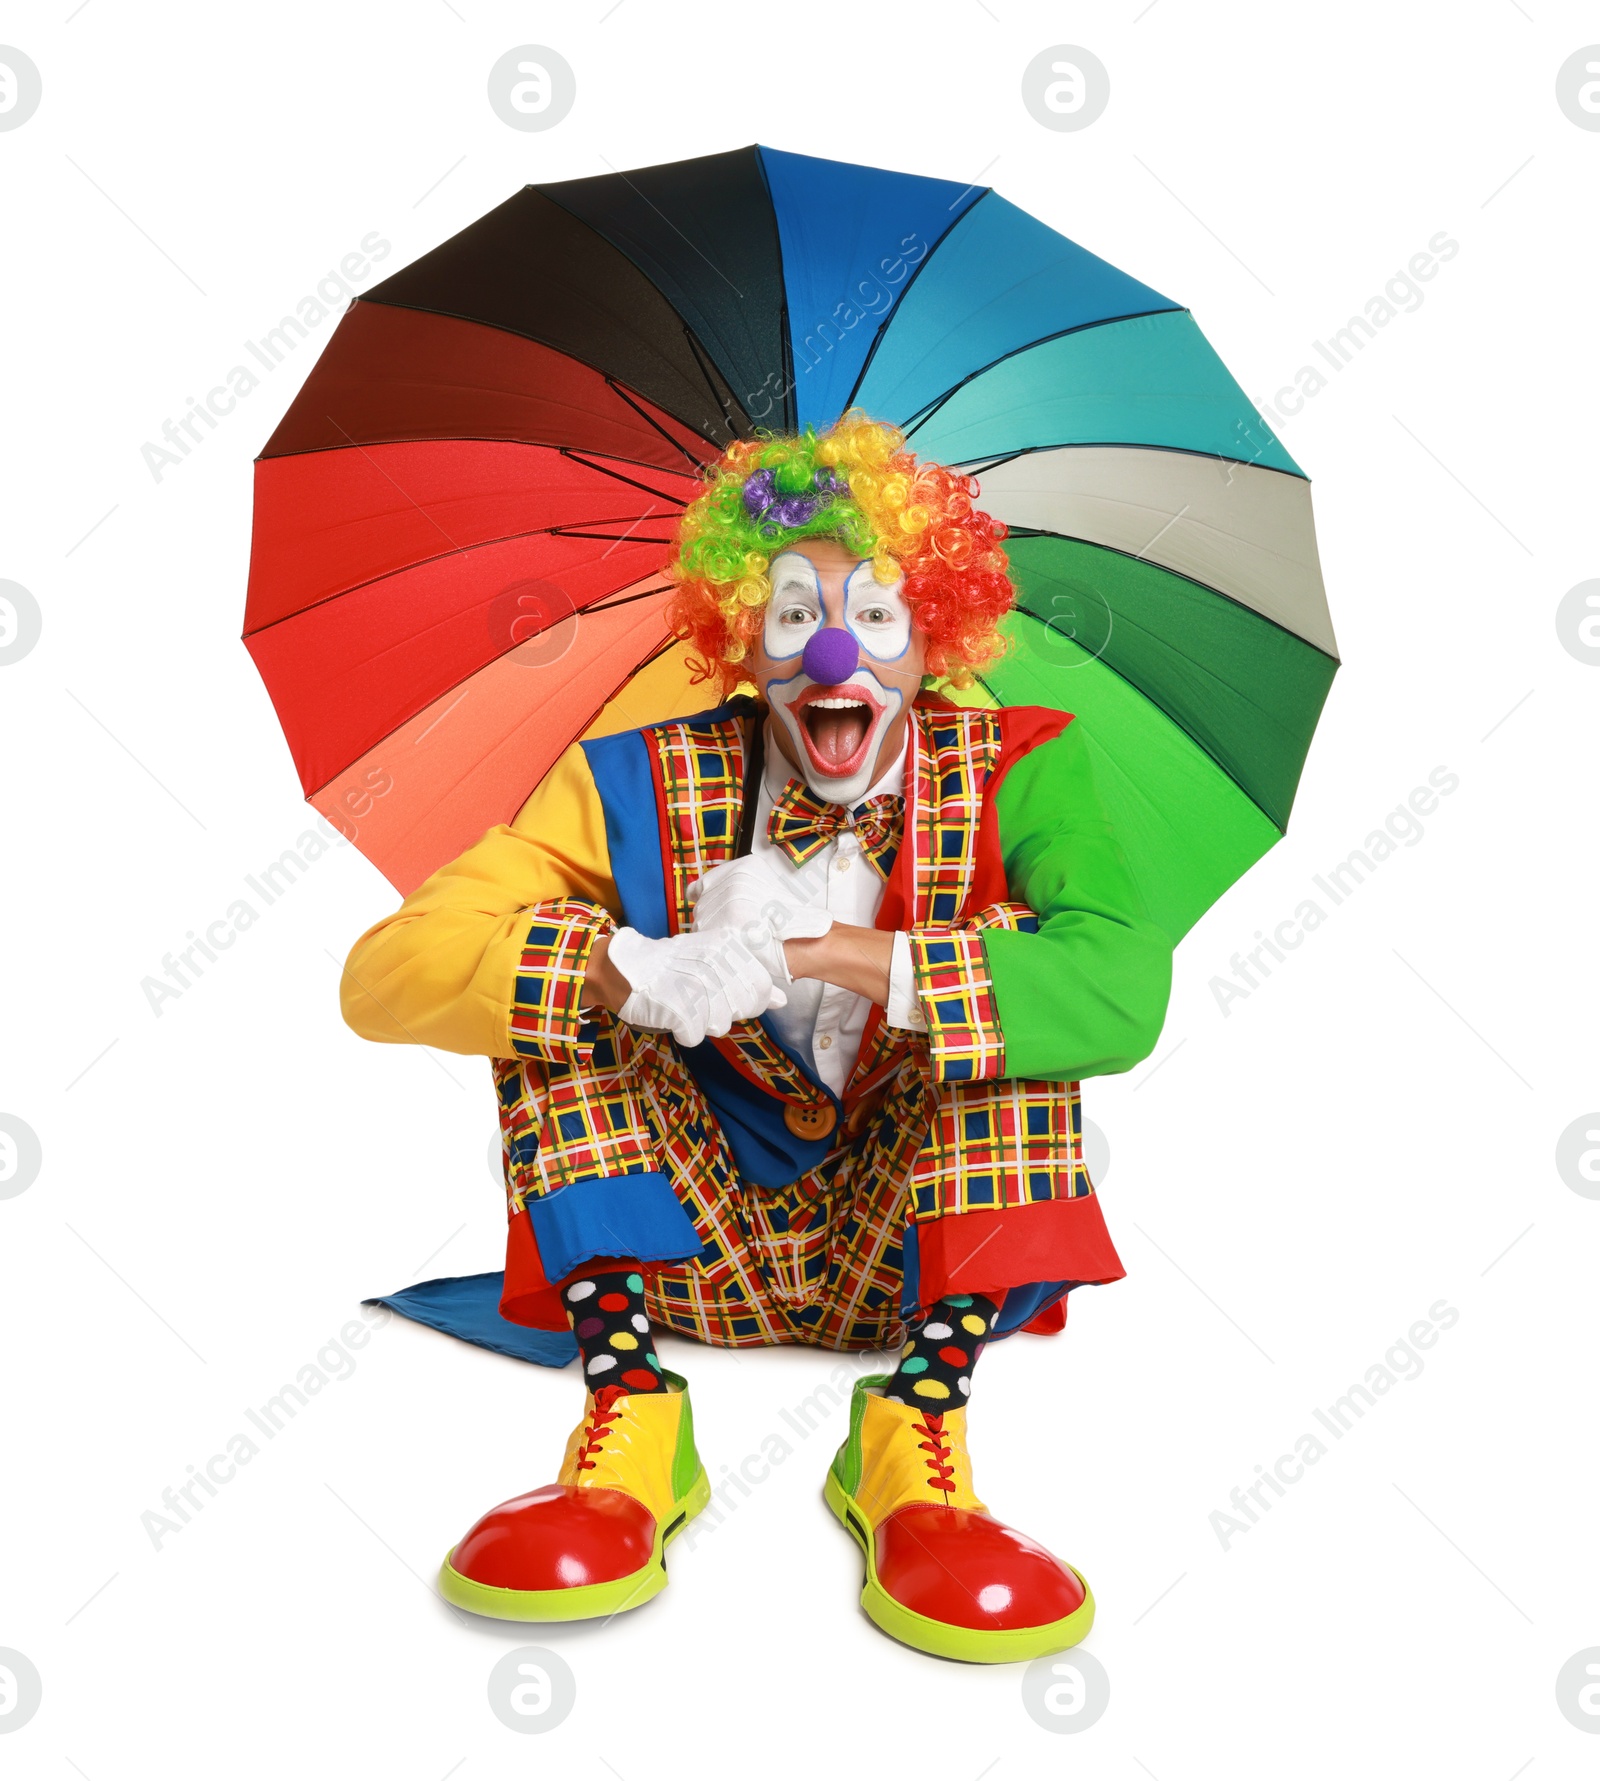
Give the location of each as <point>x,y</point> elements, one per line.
<point>1292,1185</point>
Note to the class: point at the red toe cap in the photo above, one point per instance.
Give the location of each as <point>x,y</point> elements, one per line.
<point>558,1537</point>
<point>967,1570</point>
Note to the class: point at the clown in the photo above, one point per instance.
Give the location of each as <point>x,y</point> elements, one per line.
<point>787,1005</point>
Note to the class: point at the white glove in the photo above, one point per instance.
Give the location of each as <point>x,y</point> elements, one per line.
<point>745,897</point>
<point>691,984</point>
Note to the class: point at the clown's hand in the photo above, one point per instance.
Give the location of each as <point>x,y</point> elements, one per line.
<point>744,897</point>
<point>691,985</point>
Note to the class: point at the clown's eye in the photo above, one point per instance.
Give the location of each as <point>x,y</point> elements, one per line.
<point>797,615</point>
<point>879,616</point>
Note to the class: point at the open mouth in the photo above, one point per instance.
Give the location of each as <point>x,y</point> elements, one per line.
<point>836,724</point>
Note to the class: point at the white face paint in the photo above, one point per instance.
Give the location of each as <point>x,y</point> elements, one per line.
<point>837,735</point>
<point>794,613</point>
<point>876,613</point>
<point>834,779</point>
<point>872,615</point>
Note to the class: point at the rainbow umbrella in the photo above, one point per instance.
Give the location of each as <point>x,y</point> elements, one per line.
<point>462,521</point>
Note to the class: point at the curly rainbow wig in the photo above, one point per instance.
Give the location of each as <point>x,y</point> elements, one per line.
<point>858,483</point>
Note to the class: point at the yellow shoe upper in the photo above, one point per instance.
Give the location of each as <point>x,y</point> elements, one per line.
<point>901,1453</point>
<point>942,1575</point>
<point>641,1443</point>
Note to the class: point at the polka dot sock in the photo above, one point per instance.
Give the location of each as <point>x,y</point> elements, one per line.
<point>936,1364</point>
<point>606,1308</point>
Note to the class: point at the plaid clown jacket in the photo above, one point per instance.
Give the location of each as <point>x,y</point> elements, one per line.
<point>1035,964</point>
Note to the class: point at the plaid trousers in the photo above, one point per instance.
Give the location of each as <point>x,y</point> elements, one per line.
<point>823,1260</point>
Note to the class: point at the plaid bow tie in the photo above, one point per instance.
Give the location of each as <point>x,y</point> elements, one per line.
<point>802,825</point>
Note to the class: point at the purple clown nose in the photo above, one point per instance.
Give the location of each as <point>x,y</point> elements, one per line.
<point>830,656</point>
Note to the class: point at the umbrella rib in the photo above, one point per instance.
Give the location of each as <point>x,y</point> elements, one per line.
<point>1135,556</point>
<point>461,688</point>
<point>930,408</point>
<point>1183,730</point>
<point>649,419</point>
<point>676,371</point>
<point>1278,556</point>
<point>785,343</point>
<point>1203,669</point>
<point>394,485</point>
<point>703,360</point>
<point>895,307</point>
<point>609,604</point>
<point>1166,717</point>
<point>977,466</point>
<point>577,456</point>
<point>516,440</point>
<point>676,231</point>
<point>1287,736</point>
<point>609,537</point>
<point>465,550</point>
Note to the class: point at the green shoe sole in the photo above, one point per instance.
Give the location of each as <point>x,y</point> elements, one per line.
<point>968,1644</point>
<point>587,1601</point>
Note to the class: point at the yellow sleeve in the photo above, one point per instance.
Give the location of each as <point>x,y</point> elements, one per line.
<point>442,970</point>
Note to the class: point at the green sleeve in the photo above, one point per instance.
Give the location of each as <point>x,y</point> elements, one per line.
<point>1085,995</point>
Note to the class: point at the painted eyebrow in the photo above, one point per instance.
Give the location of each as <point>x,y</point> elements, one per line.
<point>853,588</point>
<point>795,567</point>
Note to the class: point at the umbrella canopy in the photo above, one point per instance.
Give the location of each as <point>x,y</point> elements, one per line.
<point>462,522</point>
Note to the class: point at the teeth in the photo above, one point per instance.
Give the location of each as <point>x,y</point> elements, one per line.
<point>839,704</point>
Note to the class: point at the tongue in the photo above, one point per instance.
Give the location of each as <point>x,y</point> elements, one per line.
<point>836,735</point>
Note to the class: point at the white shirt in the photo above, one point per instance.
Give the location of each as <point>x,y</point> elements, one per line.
<point>822,1022</point>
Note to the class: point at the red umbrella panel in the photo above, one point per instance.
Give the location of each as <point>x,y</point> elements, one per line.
<point>457,553</point>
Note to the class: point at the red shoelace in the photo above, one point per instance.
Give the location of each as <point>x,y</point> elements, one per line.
<point>940,1467</point>
<point>599,1424</point>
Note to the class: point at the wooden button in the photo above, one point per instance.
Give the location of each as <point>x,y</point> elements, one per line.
<point>810,1122</point>
<point>864,1110</point>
